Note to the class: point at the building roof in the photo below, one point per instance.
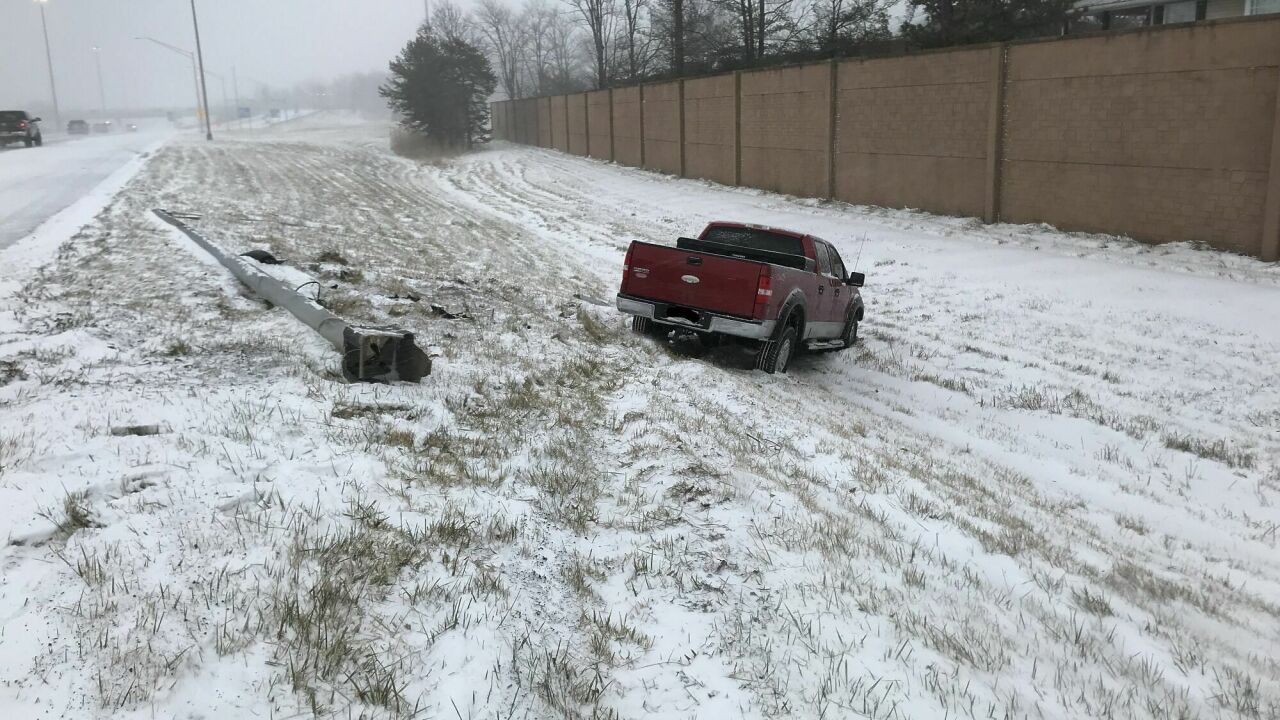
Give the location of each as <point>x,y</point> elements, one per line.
<point>1091,6</point>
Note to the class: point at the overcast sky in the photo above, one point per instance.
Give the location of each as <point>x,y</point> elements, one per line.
<point>281,42</point>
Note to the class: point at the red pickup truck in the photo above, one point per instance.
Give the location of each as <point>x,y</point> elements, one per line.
<point>783,290</point>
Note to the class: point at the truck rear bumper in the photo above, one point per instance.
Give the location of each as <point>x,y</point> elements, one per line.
<point>707,322</point>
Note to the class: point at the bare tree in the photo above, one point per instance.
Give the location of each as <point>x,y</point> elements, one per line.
<point>537,18</point>
<point>452,22</point>
<point>553,61</point>
<point>756,22</point>
<point>745,15</point>
<point>677,36</point>
<point>840,27</point>
<point>600,16</point>
<point>565,58</point>
<point>506,35</point>
<point>709,37</point>
<point>686,35</point>
<point>634,37</point>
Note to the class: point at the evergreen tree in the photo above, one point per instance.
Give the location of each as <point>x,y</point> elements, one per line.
<point>440,86</point>
<point>962,22</point>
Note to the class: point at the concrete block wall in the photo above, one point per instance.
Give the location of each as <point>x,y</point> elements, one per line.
<point>785,129</point>
<point>600,123</point>
<point>498,118</point>
<point>559,122</point>
<point>1162,134</point>
<point>661,118</point>
<point>576,117</point>
<point>516,119</point>
<point>627,144</point>
<point>912,132</point>
<point>546,138</point>
<point>710,129</point>
<point>1158,136</point>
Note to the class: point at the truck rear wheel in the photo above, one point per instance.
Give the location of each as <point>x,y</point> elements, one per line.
<point>774,356</point>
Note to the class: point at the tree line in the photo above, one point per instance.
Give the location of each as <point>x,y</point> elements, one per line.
<point>549,47</point>
<point>440,83</point>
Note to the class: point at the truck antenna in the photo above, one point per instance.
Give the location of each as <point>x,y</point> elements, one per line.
<point>859,258</point>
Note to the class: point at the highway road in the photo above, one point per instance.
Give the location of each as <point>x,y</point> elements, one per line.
<point>37,183</point>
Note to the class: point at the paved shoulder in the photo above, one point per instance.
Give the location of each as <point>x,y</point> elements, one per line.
<point>37,183</point>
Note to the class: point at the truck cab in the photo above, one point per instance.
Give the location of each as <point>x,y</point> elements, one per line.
<point>784,290</point>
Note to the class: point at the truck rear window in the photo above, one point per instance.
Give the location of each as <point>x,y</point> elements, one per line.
<point>12,115</point>
<point>754,239</point>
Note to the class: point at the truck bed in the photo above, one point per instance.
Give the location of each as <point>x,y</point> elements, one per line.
<point>694,279</point>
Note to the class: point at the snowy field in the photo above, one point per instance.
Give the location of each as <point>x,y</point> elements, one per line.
<point>1045,484</point>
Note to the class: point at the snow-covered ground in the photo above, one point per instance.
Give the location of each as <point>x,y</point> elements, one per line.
<point>36,183</point>
<point>1045,484</point>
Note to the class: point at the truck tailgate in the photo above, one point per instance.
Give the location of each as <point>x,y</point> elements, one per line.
<point>696,280</point>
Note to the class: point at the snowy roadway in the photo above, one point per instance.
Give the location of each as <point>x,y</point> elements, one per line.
<point>1045,483</point>
<point>37,183</point>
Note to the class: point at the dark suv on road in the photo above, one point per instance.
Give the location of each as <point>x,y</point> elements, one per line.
<point>19,126</point>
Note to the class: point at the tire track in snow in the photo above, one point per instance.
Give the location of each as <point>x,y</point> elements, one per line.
<point>1075,490</point>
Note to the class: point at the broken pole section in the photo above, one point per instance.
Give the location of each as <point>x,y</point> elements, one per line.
<point>369,354</point>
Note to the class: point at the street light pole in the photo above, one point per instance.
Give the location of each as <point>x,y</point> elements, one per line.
<point>235,87</point>
<point>222,79</point>
<point>204,85</point>
<point>102,92</point>
<point>48,56</point>
<point>195,78</point>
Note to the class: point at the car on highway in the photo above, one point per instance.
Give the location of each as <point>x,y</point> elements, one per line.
<point>20,126</point>
<point>102,127</point>
<point>781,290</point>
<point>131,127</point>
<point>77,127</point>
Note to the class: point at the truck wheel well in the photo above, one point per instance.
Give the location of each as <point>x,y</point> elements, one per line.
<point>795,318</point>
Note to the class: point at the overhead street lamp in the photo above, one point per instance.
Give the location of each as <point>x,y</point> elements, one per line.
<point>222,79</point>
<point>204,86</point>
<point>102,93</point>
<point>48,56</point>
<point>186,54</point>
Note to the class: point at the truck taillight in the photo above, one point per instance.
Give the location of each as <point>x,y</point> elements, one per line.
<point>626,263</point>
<point>764,293</point>
<point>22,125</point>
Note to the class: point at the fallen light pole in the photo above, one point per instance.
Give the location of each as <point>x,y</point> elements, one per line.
<point>369,354</point>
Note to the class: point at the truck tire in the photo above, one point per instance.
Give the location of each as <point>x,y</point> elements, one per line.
<point>40,141</point>
<point>850,334</point>
<point>28,142</point>
<point>775,355</point>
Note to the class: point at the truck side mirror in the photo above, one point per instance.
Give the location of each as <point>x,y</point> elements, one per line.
<point>857,279</point>
<point>36,119</point>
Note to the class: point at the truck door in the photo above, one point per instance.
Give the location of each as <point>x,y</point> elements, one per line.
<point>824,324</point>
<point>843,294</point>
